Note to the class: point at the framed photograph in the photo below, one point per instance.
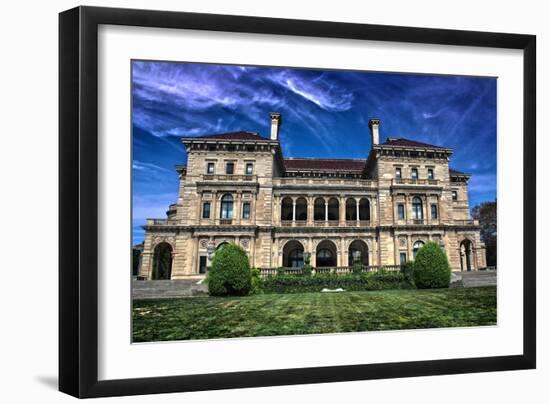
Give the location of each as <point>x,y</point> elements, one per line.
<point>249,201</point>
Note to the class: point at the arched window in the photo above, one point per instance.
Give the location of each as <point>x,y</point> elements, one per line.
<point>417,208</point>
<point>301,209</point>
<point>364,209</point>
<point>293,254</point>
<point>226,211</point>
<point>417,246</point>
<point>351,209</point>
<point>286,209</point>
<point>358,249</point>
<point>296,258</point>
<point>333,209</point>
<point>319,209</point>
<point>326,254</point>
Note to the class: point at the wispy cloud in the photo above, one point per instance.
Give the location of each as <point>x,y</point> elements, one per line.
<point>325,114</point>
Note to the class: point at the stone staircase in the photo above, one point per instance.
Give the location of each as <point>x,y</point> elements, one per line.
<point>473,279</point>
<point>162,289</point>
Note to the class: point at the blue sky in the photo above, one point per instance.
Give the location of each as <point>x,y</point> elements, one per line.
<point>325,114</point>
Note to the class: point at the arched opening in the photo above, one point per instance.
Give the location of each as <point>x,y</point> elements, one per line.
<point>226,209</point>
<point>333,209</point>
<point>325,256</point>
<point>162,261</point>
<point>319,209</point>
<point>417,208</point>
<point>358,249</point>
<point>301,209</point>
<point>221,245</point>
<point>364,209</point>
<point>293,254</point>
<point>466,255</point>
<point>417,246</point>
<point>351,209</point>
<point>286,209</point>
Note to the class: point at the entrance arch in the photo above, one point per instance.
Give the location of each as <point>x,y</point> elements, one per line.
<point>162,261</point>
<point>325,256</point>
<point>359,249</point>
<point>293,254</point>
<point>466,255</point>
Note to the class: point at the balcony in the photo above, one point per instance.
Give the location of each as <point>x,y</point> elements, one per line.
<point>415,181</point>
<point>357,223</point>
<point>467,222</point>
<point>295,223</point>
<point>352,182</point>
<point>157,222</point>
<point>229,177</point>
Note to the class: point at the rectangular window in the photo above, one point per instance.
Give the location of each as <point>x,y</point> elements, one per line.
<point>414,173</point>
<point>206,210</point>
<point>403,258</point>
<point>249,168</point>
<point>230,168</point>
<point>430,173</point>
<point>210,168</point>
<point>246,210</point>
<point>401,211</point>
<point>434,211</point>
<point>455,196</point>
<point>398,173</point>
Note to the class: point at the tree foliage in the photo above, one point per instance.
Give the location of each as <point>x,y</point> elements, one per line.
<point>486,213</point>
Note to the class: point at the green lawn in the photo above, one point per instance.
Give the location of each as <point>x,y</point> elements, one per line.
<point>311,313</point>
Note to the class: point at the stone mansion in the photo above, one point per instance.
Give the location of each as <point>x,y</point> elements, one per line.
<point>239,188</point>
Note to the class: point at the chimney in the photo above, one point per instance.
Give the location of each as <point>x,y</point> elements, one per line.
<point>275,125</point>
<point>374,125</point>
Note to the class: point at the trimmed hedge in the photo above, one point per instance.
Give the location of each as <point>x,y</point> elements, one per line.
<point>431,268</point>
<point>349,282</point>
<point>230,274</point>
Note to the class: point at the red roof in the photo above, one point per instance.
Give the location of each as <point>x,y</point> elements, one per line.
<point>312,164</point>
<point>232,136</point>
<point>409,143</point>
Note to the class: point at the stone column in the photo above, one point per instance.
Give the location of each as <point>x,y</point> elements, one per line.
<point>146,264</point>
<point>238,208</point>
<point>343,254</point>
<point>342,211</point>
<point>214,215</point>
<point>357,210</point>
<point>293,210</point>
<point>310,209</point>
<point>326,210</point>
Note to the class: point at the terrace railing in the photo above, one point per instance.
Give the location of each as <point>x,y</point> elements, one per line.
<point>325,270</point>
<point>414,181</point>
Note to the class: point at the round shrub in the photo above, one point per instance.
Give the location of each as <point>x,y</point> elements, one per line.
<point>230,274</point>
<point>431,268</point>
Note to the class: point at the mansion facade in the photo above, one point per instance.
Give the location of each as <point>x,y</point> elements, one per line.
<point>239,188</point>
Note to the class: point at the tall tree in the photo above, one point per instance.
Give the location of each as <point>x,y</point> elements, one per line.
<point>486,213</point>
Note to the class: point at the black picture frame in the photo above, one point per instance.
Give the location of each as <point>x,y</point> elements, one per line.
<point>78,201</point>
